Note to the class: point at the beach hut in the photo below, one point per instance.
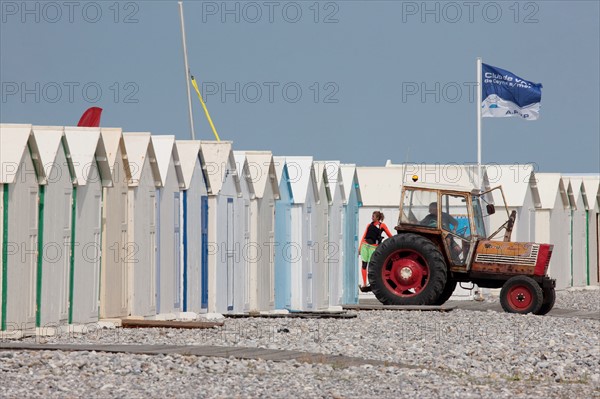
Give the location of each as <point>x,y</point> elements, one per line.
<point>142,220</point>
<point>380,188</point>
<point>333,247</point>
<point>168,270</point>
<point>308,279</point>
<point>552,223</point>
<point>352,204</point>
<point>591,185</point>
<point>225,277</point>
<point>578,228</point>
<point>20,175</point>
<point>283,248</point>
<point>261,176</point>
<point>116,248</point>
<point>515,182</point>
<point>244,246</point>
<point>195,215</point>
<point>55,228</point>
<point>90,172</point>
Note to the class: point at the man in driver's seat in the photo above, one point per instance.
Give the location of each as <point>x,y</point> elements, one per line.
<point>449,223</point>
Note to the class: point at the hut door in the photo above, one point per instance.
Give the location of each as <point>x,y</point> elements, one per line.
<point>123,251</point>
<point>94,255</point>
<point>153,251</point>
<point>308,226</point>
<point>230,252</point>
<point>598,245</point>
<point>204,258</point>
<point>66,258</point>
<point>271,258</point>
<point>31,250</point>
<point>326,266</point>
<point>177,251</point>
<point>157,257</point>
<point>245,254</point>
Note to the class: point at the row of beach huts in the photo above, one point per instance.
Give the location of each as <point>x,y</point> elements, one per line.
<point>98,223</point>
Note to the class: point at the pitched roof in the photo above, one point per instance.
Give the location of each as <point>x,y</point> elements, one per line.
<point>166,151</point>
<point>279,163</point>
<point>13,143</point>
<point>189,152</point>
<point>330,172</point>
<point>262,172</point>
<point>302,178</point>
<point>84,147</point>
<point>591,186</point>
<point>545,187</point>
<point>139,147</point>
<point>218,162</point>
<point>350,180</point>
<point>49,139</point>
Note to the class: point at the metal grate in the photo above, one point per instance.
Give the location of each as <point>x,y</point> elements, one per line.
<point>529,259</point>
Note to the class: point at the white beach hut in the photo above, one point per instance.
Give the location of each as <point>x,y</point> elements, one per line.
<point>578,228</point>
<point>169,271</point>
<point>350,234</point>
<point>380,188</point>
<point>333,249</point>
<point>56,209</point>
<point>591,185</point>
<point>90,172</point>
<point>244,246</point>
<point>116,247</point>
<point>20,175</point>
<point>283,248</point>
<point>195,215</point>
<point>142,224</point>
<point>552,223</point>
<point>307,271</point>
<point>515,182</point>
<point>261,176</point>
<point>223,188</point>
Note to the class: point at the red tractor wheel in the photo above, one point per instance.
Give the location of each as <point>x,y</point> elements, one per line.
<point>407,269</point>
<point>548,303</point>
<point>521,294</point>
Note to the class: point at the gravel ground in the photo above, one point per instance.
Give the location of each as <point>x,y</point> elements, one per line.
<point>459,353</point>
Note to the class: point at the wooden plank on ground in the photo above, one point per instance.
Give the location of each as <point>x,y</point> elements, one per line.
<point>128,323</point>
<point>443,308</point>
<point>299,315</point>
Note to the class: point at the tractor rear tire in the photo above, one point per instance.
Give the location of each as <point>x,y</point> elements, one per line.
<point>447,292</point>
<point>521,294</point>
<point>407,269</point>
<point>548,302</point>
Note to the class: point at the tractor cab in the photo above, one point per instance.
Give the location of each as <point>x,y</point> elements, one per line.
<point>454,217</point>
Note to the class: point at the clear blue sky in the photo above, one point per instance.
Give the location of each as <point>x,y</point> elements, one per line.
<point>356,63</point>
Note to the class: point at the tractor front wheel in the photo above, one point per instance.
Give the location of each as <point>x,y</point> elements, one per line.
<point>407,269</point>
<point>521,294</point>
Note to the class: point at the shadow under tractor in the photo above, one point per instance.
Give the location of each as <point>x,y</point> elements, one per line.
<point>442,241</point>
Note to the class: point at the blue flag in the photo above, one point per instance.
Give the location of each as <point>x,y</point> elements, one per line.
<point>505,94</point>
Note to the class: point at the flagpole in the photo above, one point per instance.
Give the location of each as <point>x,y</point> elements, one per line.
<point>187,71</point>
<point>478,103</point>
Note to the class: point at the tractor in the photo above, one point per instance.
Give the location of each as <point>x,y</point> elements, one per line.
<point>441,241</point>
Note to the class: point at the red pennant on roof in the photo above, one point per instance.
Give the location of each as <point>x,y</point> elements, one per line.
<point>91,117</point>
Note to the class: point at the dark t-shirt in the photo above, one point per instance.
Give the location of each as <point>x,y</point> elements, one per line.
<point>447,220</point>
